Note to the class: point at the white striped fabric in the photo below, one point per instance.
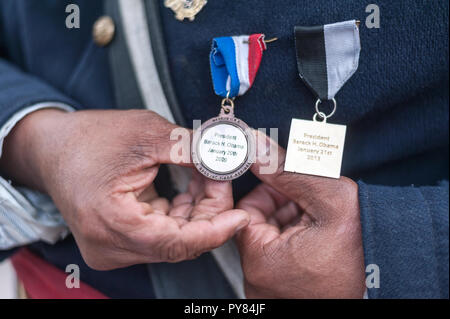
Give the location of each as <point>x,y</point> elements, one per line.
<point>241,44</point>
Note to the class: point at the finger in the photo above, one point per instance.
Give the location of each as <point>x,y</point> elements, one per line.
<point>196,186</point>
<point>296,221</point>
<point>286,214</point>
<point>302,220</point>
<point>182,199</point>
<point>218,190</point>
<point>181,213</point>
<point>254,238</point>
<point>274,222</point>
<point>182,206</point>
<point>307,191</point>
<point>173,144</point>
<point>285,182</point>
<point>160,205</point>
<point>265,239</point>
<point>262,202</point>
<point>148,194</point>
<point>216,198</point>
<point>203,235</point>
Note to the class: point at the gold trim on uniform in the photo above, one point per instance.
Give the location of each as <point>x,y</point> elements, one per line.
<point>185,8</point>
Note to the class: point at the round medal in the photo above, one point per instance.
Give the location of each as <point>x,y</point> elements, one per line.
<point>223,147</point>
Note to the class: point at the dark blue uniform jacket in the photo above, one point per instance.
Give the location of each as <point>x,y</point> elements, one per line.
<point>396,107</point>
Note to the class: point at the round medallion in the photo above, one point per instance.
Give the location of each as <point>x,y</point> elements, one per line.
<point>223,148</point>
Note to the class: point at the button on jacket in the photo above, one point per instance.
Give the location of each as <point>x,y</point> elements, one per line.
<point>395,107</point>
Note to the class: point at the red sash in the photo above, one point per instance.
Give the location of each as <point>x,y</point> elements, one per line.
<point>44,281</point>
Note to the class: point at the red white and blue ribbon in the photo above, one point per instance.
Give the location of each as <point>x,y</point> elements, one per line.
<point>234,63</point>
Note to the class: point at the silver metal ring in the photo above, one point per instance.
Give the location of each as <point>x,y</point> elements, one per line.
<point>332,112</point>
<point>322,115</point>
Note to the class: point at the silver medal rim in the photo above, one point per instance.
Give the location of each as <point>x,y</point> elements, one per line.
<point>243,167</point>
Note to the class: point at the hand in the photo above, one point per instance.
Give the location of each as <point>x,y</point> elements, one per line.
<point>98,167</point>
<point>304,239</point>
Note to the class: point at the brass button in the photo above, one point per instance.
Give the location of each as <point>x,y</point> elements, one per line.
<point>103,31</point>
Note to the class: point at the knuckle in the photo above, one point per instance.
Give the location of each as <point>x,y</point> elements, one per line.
<point>346,200</point>
<point>143,144</point>
<point>220,239</point>
<point>348,186</point>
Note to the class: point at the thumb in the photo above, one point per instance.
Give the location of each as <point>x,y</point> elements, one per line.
<point>203,235</point>
<point>313,194</point>
<point>173,145</point>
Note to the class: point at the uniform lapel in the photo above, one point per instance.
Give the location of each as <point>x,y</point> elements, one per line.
<point>160,56</point>
<point>126,90</point>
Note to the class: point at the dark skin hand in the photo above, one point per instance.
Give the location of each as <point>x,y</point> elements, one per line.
<point>98,167</point>
<point>304,239</point>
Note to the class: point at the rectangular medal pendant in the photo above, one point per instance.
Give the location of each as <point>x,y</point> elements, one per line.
<point>315,148</point>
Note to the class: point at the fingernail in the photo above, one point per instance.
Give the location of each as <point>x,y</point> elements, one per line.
<point>242,224</point>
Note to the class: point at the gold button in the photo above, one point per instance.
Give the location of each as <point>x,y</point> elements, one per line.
<point>103,31</point>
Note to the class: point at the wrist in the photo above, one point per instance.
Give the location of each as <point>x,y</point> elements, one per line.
<point>29,149</point>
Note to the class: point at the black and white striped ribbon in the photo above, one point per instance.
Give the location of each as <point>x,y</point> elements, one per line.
<point>327,56</point>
